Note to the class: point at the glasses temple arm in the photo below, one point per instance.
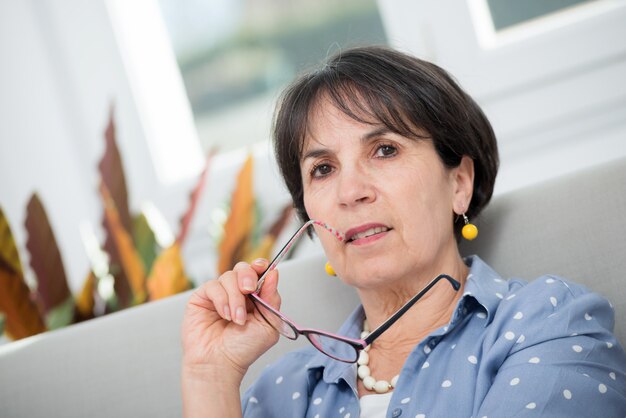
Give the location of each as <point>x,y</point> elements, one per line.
<point>388,323</point>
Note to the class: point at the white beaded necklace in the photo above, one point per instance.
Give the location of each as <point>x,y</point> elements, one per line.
<point>364,373</point>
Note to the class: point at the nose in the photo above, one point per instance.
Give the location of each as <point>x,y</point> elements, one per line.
<point>355,186</point>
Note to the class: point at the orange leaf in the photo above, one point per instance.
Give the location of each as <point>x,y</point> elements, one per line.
<point>168,274</point>
<point>23,319</point>
<point>185,222</point>
<point>8,248</point>
<point>238,228</point>
<point>112,175</point>
<point>130,261</point>
<point>45,257</point>
<point>264,249</point>
<point>85,301</point>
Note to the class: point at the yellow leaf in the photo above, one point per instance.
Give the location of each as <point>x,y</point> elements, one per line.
<point>168,274</point>
<point>239,225</point>
<point>8,249</point>
<point>129,257</point>
<point>265,247</point>
<point>263,250</point>
<point>22,317</point>
<point>85,300</point>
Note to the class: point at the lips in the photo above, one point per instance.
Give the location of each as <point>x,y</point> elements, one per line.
<point>365,231</point>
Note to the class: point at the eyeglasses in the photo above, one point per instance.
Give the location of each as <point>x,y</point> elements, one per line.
<point>334,346</point>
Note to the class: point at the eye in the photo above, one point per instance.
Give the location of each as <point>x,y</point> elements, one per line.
<point>321,170</point>
<point>386,150</point>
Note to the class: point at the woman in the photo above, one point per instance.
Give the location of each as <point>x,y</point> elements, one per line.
<point>389,151</point>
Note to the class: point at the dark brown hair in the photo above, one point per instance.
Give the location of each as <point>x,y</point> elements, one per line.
<point>405,94</point>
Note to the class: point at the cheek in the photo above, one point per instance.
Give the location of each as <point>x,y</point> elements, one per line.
<point>316,201</point>
<point>308,206</point>
<point>306,198</point>
<point>424,204</point>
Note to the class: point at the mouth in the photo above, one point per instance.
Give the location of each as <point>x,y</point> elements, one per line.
<point>365,231</point>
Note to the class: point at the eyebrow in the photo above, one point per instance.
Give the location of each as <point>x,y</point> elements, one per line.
<point>315,153</point>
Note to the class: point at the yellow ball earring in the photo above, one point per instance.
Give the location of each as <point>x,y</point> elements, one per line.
<point>469,231</point>
<point>329,269</point>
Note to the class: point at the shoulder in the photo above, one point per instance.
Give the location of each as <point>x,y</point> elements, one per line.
<point>551,340</point>
<point>556,300</point>
<point>556,316</point>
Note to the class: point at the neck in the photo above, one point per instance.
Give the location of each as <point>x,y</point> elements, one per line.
<point>432,311</point>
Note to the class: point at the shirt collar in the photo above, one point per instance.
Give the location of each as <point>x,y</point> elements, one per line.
<point>482,283</point>
<point>333,369</point>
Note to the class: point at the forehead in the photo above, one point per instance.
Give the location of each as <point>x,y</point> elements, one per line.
<point>326,114</point>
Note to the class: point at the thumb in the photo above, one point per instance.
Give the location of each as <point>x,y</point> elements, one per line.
<point>269,291</point>
<point>260,265</point>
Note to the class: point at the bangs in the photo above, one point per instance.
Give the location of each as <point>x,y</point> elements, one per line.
<point>363,104</point>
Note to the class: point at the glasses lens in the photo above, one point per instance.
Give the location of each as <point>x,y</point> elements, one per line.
<point>337,349</point>
<point>274,320</point>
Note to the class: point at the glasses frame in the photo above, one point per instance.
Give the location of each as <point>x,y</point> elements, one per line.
<point>357,343</point>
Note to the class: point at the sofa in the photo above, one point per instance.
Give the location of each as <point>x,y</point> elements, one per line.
<point>127,364</point>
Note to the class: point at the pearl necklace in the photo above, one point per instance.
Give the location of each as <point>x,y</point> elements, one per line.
<point>364,373</point>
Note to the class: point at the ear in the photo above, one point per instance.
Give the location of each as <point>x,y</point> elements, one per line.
<point>463,178</point>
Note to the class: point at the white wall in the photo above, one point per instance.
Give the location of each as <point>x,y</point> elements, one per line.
<point>61,67</point>
<point>60,72</point>
<point>553,89</point>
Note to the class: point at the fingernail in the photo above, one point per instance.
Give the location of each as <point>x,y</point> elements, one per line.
<point>247,284</point>
<point>227,313</point>
<point>240,316</point>
<point>259,262</point>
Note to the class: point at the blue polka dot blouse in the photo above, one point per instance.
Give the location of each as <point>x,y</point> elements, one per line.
<point>511,349</point>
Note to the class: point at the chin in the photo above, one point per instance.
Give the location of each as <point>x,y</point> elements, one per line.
<point>369,276</point>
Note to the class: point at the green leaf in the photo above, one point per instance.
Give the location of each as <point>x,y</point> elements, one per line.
<point>145,241</point>
<point>61,315</point>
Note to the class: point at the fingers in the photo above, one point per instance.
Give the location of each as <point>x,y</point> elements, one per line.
<point>269,291</point>
<point>211,296</point>
<point>236,300</point>
<point>260,265</point>
<point>228,294</point>
<point>248,275</point>
<point>239,282</point>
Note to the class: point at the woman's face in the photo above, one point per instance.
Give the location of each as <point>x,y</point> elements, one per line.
<point>391,195</point>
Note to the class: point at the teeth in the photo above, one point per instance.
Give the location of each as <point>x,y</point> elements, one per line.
<point>369,232</point>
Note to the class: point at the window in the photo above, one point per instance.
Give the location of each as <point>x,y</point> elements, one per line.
<point>235,56</point>
<point>508,13</point>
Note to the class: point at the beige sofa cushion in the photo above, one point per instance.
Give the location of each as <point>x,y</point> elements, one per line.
<point>128,364</point>
<point>573,226</point>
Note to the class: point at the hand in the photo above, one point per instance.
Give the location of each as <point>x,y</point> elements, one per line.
<point>221,329</point>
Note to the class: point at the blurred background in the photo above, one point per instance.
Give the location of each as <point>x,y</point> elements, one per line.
<point>235,56</point>
<point>184,77</point>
